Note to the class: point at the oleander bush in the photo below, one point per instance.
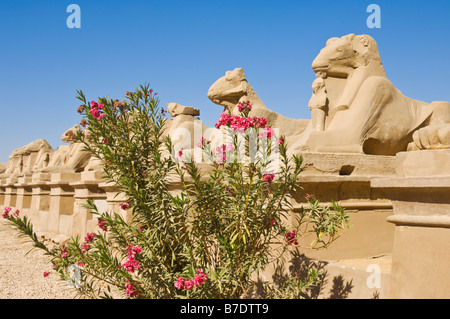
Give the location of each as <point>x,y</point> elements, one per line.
<point>210,239</point>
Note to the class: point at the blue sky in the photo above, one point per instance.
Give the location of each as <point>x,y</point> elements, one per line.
<point>182,47</point>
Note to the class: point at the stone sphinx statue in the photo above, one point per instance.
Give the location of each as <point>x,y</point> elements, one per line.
<point>24,160</point>
<point>3,167</point>
<point>68,158</point>
<point>233,88</point>
<point>364,112</point>
<point>184,128</point>
<point>437,134</point>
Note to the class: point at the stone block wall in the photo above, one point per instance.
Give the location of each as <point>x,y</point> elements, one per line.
<point>55,202</point>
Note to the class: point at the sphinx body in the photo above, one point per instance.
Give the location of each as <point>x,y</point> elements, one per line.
<point>365,113</point>
<point>26,159</point>
<point>233,88</point>
<point>354,107</point>
<point>68,158</point>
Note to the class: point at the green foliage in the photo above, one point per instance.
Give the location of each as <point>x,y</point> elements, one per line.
<point>211,237</point>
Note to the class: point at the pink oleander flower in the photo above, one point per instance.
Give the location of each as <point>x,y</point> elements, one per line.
<point>243,106</point>
<point>95,110</point>
<point>64,252</point>
<point>267,132</point>
<point>290,238</point>
<point>90,237</point>
<point>180,153</point>
<point>203,142</point>
<point>131,265</point>
<point>272,221</point>
<point>222,152</point>
<point>125,206</point>
<point>133,250</point>
<point>46,273</point>
<point>85,247</point>
<point>7,209</point>
<point>101,116</point>
<point>16,213</point>
<point>102,224</point>
<point>310,197</point>
<point>224,148</point>
<point>95,113</point>
<point>200,277</point>
<point>6,215</point>
<point>130,289</point>
<point>280,141</point>
<point>189,284</point>
<point>179,284</point>
<point>262,122</point>
<point>223,120</point>
<point>269,177</point>
<point>200,144</point>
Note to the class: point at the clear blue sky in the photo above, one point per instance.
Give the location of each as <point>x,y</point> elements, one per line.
<point>182,47</point>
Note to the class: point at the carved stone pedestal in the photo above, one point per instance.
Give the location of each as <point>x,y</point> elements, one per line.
<point>24,193</point>
<point>114,200</point>
<point>10,192</point>
<point>61,203</point>
<point>421,250</point>
<point>40,201</point>
<point>83,221</point>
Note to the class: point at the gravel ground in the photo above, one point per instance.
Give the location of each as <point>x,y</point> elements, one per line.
<point>21,275</point>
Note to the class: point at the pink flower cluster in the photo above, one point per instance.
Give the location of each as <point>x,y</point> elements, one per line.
<point>272,221</point>
<point>87,240</point>
<point>102,224</point>
<point>188,284</point>
<point>6,213</point>
<point>95,110</point>
<point>221,151</point>
<point>280,140</point>
<point>244,106</point>
<point>269,177</point>
<point>290,238</point>
<point>64,252</point>
<point>203,142</point>
<point>130,289</point>
<point>240,124</point>
<point>132,264</point>
<point>125,206</point>
<point>267,133</point>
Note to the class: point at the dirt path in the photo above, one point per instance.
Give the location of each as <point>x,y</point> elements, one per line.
<point>21,277</point>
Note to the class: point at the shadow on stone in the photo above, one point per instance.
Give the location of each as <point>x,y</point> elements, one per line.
<point>322,287</point>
